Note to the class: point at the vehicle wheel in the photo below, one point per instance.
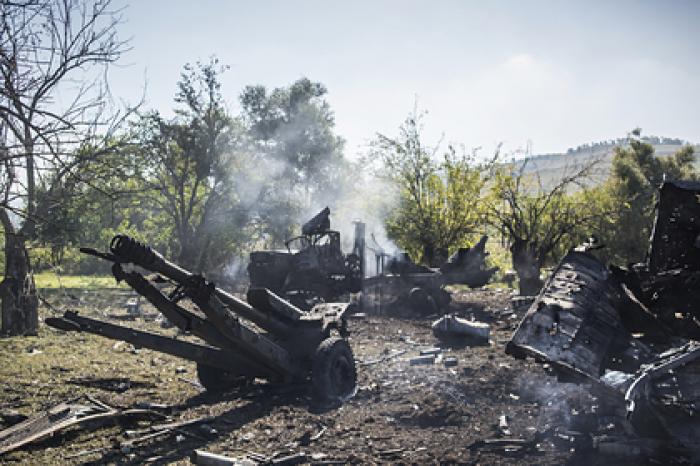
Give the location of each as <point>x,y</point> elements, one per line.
<point>421,302</point>
<point>217,380</point>
<point>334,374</point>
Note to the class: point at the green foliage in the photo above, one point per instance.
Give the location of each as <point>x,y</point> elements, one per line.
<point>201,187</point>
<point>539,222</point>
<point>189,165</point>
<point>291,136</point>
<point>632,188</point>
<point>438,202</point>
<point>48,280</point>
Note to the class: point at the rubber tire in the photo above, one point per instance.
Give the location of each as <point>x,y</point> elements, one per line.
<point>214,379</point>
<point>334,374</point>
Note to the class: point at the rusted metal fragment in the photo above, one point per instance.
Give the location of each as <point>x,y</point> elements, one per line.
<point>468,266</point>
<point>668,283</point>
<point>79,411</point>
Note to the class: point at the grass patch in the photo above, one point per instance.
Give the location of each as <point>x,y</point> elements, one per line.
<point>51,280</point>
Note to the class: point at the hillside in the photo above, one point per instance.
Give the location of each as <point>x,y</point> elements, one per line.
<point>551,167</point>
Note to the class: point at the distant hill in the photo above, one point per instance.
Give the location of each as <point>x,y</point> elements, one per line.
<point>552,167</point>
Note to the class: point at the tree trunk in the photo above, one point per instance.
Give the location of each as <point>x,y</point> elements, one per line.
<point>20,304</point>
<point>527,266</point>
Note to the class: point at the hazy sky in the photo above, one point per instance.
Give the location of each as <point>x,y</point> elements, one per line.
<point>557,73</point>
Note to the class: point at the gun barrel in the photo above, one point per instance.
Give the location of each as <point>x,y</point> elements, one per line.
<point>128,250</point>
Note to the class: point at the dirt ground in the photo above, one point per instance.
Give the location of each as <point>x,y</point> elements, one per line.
<point>401,413</point>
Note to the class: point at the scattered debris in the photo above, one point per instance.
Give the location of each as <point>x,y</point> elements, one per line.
<point>503,425</point>
<point>289,460</point>
<point>386,357</point>
<point>450,361</point>
<point>205,458</point>
<point>403,287</point>
<point>11,417</point>
<point>318,434</point>
<point>450,327</point>
<point>133,307</point>
<point>75,412</point>
<point>428,351</point>
<point>622,331</point>
<point>422,360</point>
<point>520,304</point>
<point>112,384</point>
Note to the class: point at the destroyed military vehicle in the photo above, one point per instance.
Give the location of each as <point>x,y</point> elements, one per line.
<point>313,268</point>
<point>629,332</point>
<point>263,337</point>
<point>404,287</point>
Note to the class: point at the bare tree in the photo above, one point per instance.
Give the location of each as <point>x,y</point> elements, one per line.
<point>53,101</point>
<point>536,217</point>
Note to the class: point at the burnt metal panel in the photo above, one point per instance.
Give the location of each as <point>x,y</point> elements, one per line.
<point>574,322</point>
<point>675,242</point>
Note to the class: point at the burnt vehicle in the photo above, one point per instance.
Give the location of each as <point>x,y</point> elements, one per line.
<point>404,287</point>
<point>313,268</point>
<point>265,337</point>
<point>629,332</point>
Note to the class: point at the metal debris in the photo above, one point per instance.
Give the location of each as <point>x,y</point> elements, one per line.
<point>266,337</point>
<point>75,412</point>
<point>450,327</point>
<point>623,330</point>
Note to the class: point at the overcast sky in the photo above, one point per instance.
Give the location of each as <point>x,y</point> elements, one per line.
<point>557,73</point>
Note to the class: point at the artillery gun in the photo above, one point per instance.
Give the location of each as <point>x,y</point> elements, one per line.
<point>313,268</point>
<point>266,337</point>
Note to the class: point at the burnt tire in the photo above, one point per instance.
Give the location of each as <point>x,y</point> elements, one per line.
<point>334,375</point>
<point>214,379</point>
<point>421,303</point>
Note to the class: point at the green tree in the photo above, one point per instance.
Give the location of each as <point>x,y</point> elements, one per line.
<point>437,205</point>
<point>637,173</point>
<point>290,134</point>
<point>538,221</point>
<point>88,206</point>
<point>191,160</point>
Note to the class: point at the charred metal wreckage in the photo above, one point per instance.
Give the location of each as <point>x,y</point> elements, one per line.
<point>629,332</point>
<point>313,268</point>
<point>401,285</point>
<point>266,337</point>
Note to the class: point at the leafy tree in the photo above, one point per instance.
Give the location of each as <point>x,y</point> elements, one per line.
<point>637,173</point>
<point>437,201</point>
<point>537,221</point>
<point>291,137</point>
<point>191,160</point>
<point>88,206</point>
